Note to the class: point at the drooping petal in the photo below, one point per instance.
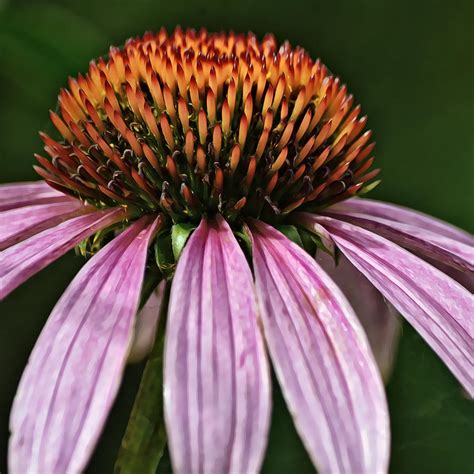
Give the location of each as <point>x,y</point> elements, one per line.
<point>75,369</point>
<point>404,215</point>
<point>379,318</point>
<point>439,308</point>
<point>217,388</point>
<point>16,195</point>
<point>20,223</point>
<point>321,357</point>
<point>426,243</point>
<point>146,324</point>
<point>21,261</point>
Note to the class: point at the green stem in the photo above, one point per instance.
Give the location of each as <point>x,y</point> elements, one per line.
<point>145,436</point>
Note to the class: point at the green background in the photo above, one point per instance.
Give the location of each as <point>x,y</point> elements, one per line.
<point>410,63</point>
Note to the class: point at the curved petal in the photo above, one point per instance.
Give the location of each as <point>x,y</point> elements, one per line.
<point>146,324</point>
<point>21,261</point>
<point>217,387</point>
<point>426,243</point>
<point>404,215</point>
<point>439,308</point>
<point>16,195</point>
<point>19,224</point>
<point>379,318</point>
<point>321,357</point>
<point>75,369</point>
<point>464,278</point>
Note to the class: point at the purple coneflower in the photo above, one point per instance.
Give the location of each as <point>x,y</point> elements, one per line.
<point>227,164</point>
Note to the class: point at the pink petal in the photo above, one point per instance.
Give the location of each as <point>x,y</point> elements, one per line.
<point>146,325</point>
<point>439,308</point>
<point>404,215</point>
<point>20,223</point>
<point>321,357</point>
<point>24,188</point>
<point>75,369</point>
<point>464,278</point>
<point>26,194</point>
<point>424,242</point>
<point>21,261</point>
<point>217,387</point>
<point>379,318</point>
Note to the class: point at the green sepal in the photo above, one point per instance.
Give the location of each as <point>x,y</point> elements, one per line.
<point>90,246</point>
<point>145,437</point>
<point>179,236</point>
<point>245,240</point>
<point>164,253</point>
<point>311,242</point>
<point>292,233</point>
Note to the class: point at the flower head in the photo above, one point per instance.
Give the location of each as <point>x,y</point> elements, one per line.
<point>227,167</point>
<point>196,124</point>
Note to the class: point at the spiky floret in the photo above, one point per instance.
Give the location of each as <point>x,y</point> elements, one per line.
<point>197,123</point>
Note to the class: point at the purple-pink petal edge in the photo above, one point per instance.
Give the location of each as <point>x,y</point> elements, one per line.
<point>216,380</point>
<point>321,357</point>
<point>438,307</point>
<point>24,259</point>
<point>75,369</point>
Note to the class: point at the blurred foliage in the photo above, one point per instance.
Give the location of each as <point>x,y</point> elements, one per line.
<point>409,63</point>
